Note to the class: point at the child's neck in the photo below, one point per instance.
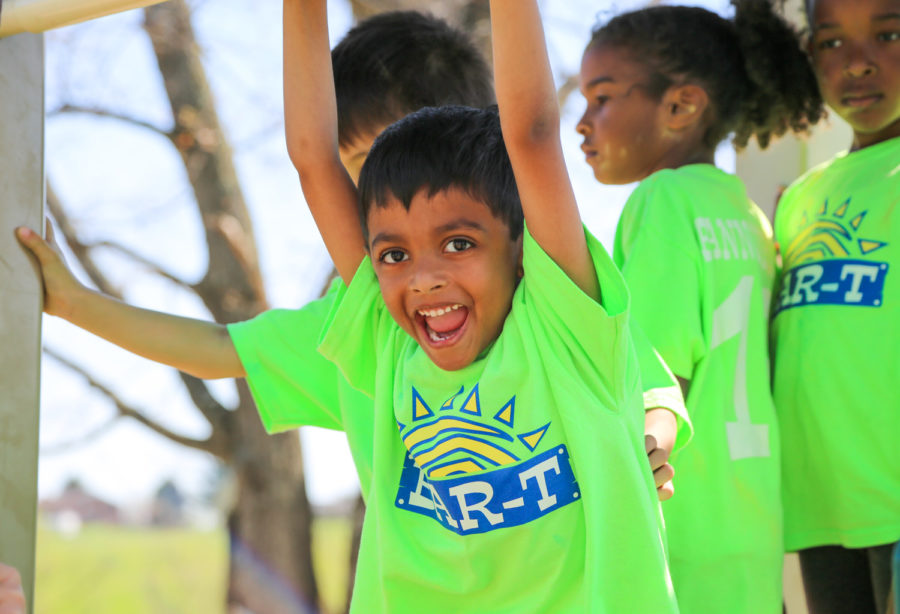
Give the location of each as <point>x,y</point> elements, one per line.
<point>678,157</point>
<point>862,141</point>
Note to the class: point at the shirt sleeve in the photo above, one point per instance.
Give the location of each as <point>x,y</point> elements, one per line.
<point>663,276</point>
<point>359,329</point>
<point>659,385</point>
<point>292,384</point>
<point>595,334</point>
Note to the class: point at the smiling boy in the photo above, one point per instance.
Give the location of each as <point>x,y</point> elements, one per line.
<point>498,357</point>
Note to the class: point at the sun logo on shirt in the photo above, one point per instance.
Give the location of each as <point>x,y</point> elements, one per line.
<point>453,441</point>
<point>829,235</point>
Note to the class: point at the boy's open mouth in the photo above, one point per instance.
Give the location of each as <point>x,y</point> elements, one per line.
<point>442,325</point>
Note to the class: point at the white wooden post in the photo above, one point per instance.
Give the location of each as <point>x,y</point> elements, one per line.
<point>21,202</point>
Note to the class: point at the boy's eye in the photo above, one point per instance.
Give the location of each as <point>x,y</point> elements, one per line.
<point>601,100</point>
<point>393,256</point>
<point>889,36</point>
<point>459,245</point>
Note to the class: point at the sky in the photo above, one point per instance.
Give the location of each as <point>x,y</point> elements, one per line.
<point>123,183</point>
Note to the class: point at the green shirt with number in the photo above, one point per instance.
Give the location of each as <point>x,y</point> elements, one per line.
<point>698,257</point>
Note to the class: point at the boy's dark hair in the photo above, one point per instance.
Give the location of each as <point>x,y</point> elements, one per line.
<point>435,149</point>
<point>757,76</point>
<point>398,62</point>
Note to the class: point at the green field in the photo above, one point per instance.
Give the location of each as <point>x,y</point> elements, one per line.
<point>119,570</point>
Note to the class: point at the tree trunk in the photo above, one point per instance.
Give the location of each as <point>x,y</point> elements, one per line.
<point>271,563</point>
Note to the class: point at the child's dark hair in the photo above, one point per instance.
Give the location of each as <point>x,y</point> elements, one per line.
<point>398,62</point>
<point>438,148</point>
<point>758,78</point>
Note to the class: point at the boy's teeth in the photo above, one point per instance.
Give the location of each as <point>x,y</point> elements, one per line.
<point>434,313</point>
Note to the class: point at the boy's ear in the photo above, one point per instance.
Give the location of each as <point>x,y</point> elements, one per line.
<point>684,106</point>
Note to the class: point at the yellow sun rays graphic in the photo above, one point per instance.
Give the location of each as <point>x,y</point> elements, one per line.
<point>457,439</point>
<point>829,235</point>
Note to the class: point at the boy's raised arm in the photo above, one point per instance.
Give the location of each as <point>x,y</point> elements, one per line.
<point>310,120</point>
<point>529,116</point>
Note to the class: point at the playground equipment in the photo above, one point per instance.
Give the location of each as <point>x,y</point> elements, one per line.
<point>18,16</point>
<point>22,189</point>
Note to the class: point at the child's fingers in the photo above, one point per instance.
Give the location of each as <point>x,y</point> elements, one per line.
<point>9,577</point>
<point>665,492</point>
<point>657,458</point>
<point>49,235</point>
<point>12,599</point>
<point>36,245</point>
<point>663,474</point>
<point>650,443</point>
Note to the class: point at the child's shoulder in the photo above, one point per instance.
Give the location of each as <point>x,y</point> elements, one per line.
<point>863,165</point>
<point>668,198</point>
<point>684,182</point>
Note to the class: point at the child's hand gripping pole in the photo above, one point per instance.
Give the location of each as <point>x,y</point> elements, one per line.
<point>200,348</point>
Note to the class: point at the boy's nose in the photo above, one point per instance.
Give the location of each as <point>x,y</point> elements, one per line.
<point>426,279</point>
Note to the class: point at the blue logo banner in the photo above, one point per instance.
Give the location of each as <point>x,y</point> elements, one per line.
<point>833,282</point>
<point>490,500</point>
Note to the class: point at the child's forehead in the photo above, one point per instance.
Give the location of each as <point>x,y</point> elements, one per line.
<point>438,211</point>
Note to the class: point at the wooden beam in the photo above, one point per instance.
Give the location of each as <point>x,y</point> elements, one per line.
<point>17,16</point>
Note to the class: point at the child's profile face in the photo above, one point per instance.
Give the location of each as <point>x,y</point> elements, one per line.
<point>855,48</point>
<point>447,270</point>
<point>622,128</point>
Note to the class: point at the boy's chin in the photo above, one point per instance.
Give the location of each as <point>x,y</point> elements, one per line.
<point>449,360</point>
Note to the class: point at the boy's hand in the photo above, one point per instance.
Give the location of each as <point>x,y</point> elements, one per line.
<point>660,430</point>
<point>60,286</point>
<point>12,598</point>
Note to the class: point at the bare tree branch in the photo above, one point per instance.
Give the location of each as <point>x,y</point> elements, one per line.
<point>65,446</point>
<point>78,248</point>
<point>107,114</point>
<point>152,266</point>
<point>128,411</point>
<point>218,417</point>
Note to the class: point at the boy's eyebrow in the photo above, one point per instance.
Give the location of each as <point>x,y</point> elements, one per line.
<point>388,237</point>
<point>457,225</point>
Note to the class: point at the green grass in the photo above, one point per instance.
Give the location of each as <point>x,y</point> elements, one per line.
<point>118,570</point>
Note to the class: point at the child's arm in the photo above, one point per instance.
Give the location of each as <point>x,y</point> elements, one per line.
<point>529,116</point>
<point>202,349</point>
<point>310,122</point>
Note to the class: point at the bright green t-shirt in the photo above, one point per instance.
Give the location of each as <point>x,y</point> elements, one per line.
<point>836,341</point>
<point>518,483</point>
<point>698,258</point>
<point>293,385</point>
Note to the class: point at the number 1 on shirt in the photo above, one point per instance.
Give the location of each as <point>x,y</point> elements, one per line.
<point>730,319</point>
